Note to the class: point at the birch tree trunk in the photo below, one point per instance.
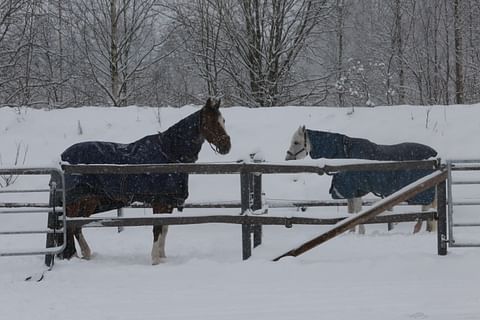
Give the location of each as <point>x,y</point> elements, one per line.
<point>398,44</point>
<point>459,60</point>
<point>114,74</point>
<point>339,68</point>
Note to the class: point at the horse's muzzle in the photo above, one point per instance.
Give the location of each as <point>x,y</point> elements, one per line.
<point>290,156</point>
<point>294,156</point>
<point>224,145</point>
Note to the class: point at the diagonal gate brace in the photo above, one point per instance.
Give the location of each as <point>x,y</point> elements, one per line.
<point>401,195</point>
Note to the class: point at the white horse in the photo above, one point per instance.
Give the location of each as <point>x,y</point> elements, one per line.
<point>321,144</point>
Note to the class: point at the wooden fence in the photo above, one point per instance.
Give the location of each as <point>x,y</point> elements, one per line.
<point>251,199</point>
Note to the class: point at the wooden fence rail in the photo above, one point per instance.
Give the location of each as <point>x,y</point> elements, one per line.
<point>250,174</point>
<point>238,219</point>
<point>244,167</point>
<point>369,213</point>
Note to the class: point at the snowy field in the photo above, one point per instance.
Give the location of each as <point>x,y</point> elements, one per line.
<point>381,275</point>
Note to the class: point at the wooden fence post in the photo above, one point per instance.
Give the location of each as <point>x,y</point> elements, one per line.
<point>256,192</point>
<point>251,199</point>
<point>52,239</point>
<point>442,218</point>
<point>246,228</point>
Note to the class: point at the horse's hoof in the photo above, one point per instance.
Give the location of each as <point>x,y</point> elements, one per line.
<point>156,261</point>
<point>86,254</point>
<point>67,255</point>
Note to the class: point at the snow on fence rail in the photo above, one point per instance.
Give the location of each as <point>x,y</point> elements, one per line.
<point>251,193</point>
<point>250,174</point>
<point>245,167</point>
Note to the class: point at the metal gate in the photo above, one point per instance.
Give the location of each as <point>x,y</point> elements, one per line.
<point>463,210</point>
<point>17,210</point>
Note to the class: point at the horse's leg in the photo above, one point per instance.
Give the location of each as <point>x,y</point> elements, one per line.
<point>418,225</point>
<point>88,205</point>
<point>159,234</point>
<point>351,210</point>
<point>84,248</point>
<point>390,225</point>
<point>158,248</point>
<point>82,208</point>
<point>358,208</point>
<point>431,223</point>
<point>355,206</point>
<point>69,250</point>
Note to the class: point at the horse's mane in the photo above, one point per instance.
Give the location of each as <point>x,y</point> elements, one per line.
<point>183,141</point>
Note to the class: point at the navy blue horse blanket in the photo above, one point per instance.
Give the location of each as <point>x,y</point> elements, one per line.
<point>180,143</point>
<point>353,184</point>
<point>339,146</point>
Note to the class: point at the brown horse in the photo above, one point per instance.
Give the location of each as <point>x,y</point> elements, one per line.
<point>89,194</point>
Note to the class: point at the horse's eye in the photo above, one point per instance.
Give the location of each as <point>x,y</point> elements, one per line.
<point>296,143</point>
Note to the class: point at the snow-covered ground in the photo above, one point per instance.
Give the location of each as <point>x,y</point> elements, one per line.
<point>382,275</point>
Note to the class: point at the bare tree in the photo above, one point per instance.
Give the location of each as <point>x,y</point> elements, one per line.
<point>397,48</point>
<point>60,53</point>
<point>202,31</point>
<point>340,8</point>
<point>12,34</point>
<point>472,50</point>
<point>267,38</point>
<point>29,54</point>
<point>20,158</point>
<point>120,40</point>
<point>459,63</point>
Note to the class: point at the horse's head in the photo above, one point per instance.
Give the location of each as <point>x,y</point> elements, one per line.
<point>213,127</point>
<point>300,146</point>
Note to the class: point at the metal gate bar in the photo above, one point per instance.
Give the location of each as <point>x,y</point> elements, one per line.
<point>460,165</point>
<point>34,208</point>
<point>20,210</point>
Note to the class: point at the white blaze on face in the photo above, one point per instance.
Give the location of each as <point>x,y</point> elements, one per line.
<point>221,121</point>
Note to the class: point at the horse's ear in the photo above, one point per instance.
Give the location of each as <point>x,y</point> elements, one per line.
<point>208,104</point>
<point>303,128</point>
<point>212,104</point>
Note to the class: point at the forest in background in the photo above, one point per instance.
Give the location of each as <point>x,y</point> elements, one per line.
<point>256,53</point>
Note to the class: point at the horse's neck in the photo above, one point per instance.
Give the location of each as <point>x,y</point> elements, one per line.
<point>308,144</point>
<point>325,144</point>
<point>183,141</point>
<point>313,144</point>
